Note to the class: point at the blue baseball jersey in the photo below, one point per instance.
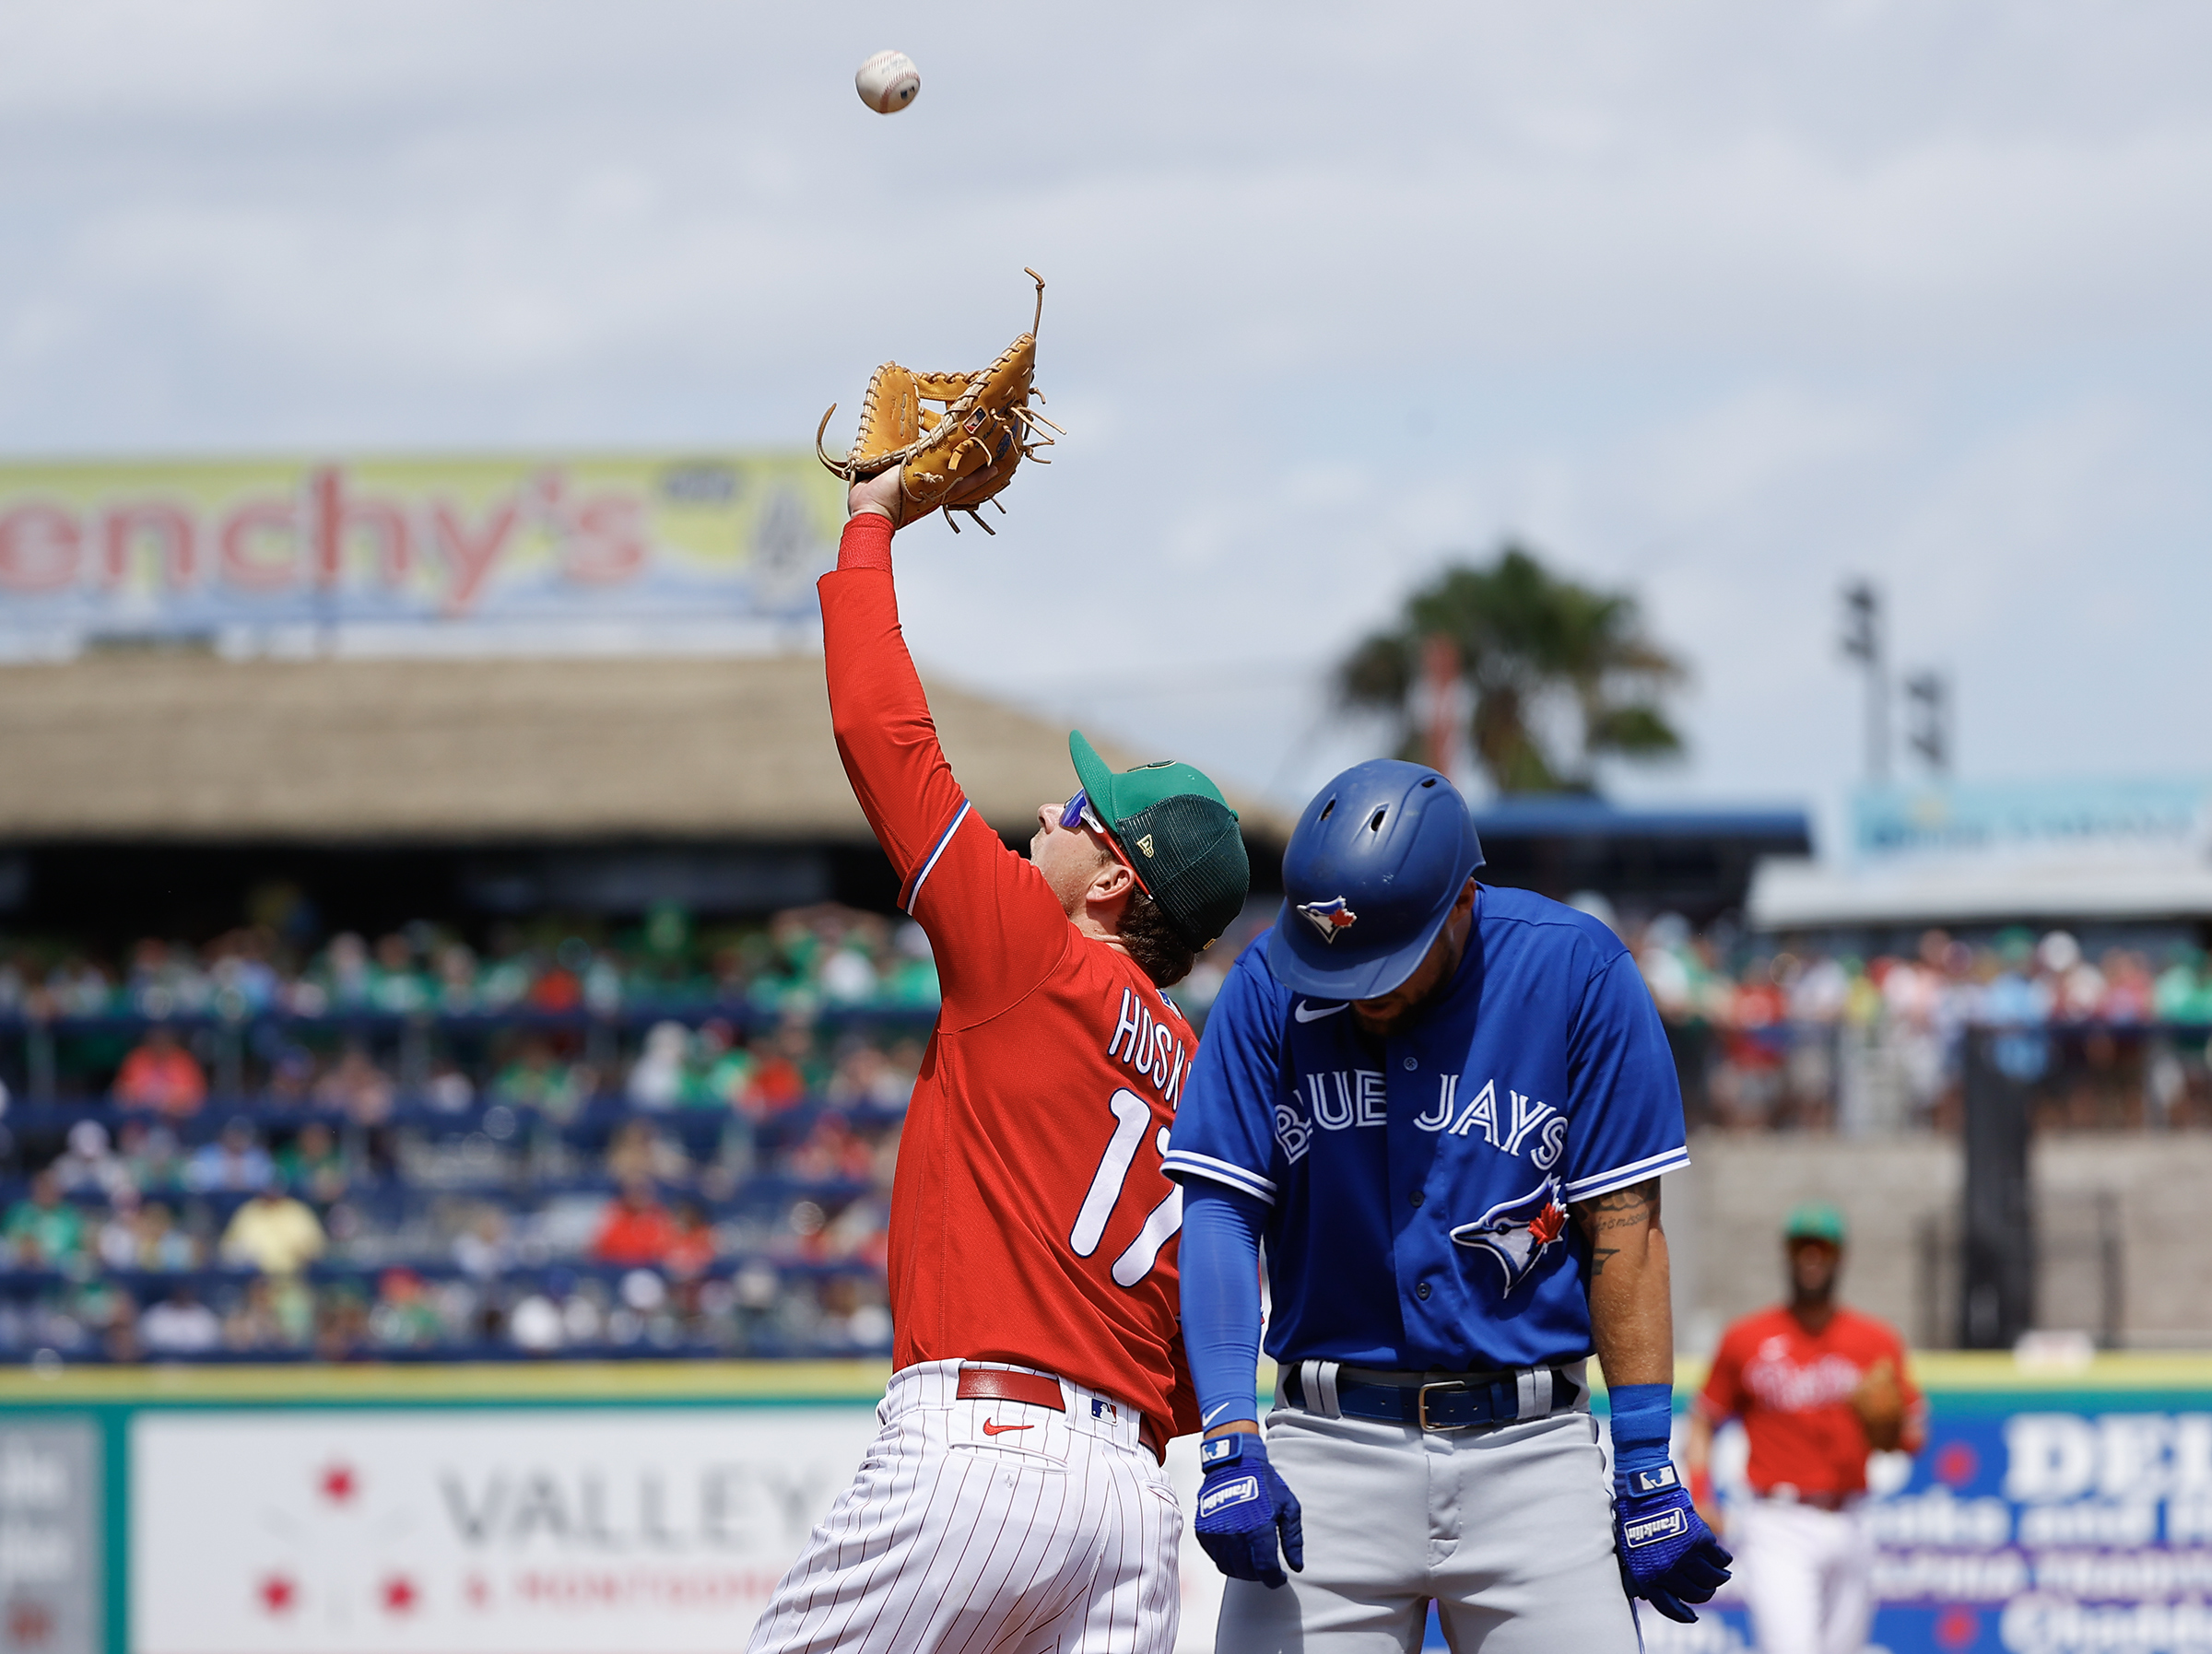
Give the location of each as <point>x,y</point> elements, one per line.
<point>1417,1187</point>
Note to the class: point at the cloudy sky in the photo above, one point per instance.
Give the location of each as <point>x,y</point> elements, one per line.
<point>1720,302</point>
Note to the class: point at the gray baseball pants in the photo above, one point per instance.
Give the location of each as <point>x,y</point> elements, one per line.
<point>1508,1530</point>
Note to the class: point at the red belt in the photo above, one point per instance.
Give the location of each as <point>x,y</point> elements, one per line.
<point>1034,1389</point>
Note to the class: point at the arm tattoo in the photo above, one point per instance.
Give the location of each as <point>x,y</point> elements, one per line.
<point>1600,1257</point>
<point>1636,1207</point>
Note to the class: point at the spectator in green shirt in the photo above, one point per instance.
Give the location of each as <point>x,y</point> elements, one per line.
<point>44,1231</point>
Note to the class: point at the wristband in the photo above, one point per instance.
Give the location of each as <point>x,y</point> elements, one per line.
<point>1644,1425</point>
<point>866,541</point>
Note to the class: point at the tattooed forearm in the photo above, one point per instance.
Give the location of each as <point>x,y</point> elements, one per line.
<point>1630,1318</point>
<point>1633,1208</point>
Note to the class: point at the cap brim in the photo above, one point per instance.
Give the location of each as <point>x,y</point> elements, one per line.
<point>1306,963</point>
<point>1094,774</point>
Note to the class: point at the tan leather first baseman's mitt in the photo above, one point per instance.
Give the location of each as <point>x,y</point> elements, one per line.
<point>1880,1404</point>
<point>962,456</point>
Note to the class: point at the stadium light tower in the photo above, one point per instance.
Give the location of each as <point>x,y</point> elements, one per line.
<point>1863,642</point>
<point>1928,695</point>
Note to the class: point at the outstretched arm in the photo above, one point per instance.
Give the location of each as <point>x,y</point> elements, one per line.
<point>995,923</point>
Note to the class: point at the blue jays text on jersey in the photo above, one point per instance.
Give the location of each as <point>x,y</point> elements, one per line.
<point>1419,1185</point>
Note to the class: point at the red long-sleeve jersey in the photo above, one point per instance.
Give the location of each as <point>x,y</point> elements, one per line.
<point>1031,1221</point>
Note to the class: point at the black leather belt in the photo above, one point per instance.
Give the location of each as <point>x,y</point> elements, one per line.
<point>1437,1400</point>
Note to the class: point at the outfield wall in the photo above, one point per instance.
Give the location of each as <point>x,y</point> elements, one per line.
<point>639,1508</point>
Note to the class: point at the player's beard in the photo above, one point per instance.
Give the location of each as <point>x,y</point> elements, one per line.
<point>1410,1012</point>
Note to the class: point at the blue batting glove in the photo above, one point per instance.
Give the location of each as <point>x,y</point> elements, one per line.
<point>1241,1505</point>
<point>1668,1556</point>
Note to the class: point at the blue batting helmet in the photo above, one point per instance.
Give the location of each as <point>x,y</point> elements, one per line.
<point>1373,867</point>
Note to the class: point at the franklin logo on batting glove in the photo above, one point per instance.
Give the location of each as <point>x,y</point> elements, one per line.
<point>1669,1525</point>
<point>1243,1507</point>
<point>1242,1489</point>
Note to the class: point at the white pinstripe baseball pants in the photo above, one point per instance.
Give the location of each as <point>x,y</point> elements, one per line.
<point>976,1526</point>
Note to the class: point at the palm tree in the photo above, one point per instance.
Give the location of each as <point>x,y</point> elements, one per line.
<point>1531,647</point>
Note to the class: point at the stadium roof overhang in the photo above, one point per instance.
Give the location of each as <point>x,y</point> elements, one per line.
<point>197,748</point>
<point>1792,894</point>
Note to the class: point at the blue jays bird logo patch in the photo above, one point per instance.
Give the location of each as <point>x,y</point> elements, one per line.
<point>1518,1233</point>
<point>1330,918</point>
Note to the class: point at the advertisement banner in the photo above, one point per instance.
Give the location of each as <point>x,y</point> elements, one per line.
<point>250,551</point>
<point>2050,1530</point>
<point>553,1532</point>
<point>2156,821</point>
<point>533,1532</point>
<point>51,1574</point>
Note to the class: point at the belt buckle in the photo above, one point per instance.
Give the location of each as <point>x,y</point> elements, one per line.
<point>1421,1403</point>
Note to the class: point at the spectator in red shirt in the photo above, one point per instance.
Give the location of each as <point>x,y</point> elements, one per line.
<point>779,1083</point>
<point>691,1249</point>
<point>636,1229</point>
<point>162,1075</point>
<point>1818,1388</point>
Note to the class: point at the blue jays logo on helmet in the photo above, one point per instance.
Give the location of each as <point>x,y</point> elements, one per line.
<point>1519,1232</point>
<point>1330,918</point>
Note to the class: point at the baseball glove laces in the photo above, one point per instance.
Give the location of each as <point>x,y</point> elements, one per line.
<point>955,456</point>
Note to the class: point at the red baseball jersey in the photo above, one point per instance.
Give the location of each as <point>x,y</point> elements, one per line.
<point>1793,1390</point>
<point>1030,1222</point>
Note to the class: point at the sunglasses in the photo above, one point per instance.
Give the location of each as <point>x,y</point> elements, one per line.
<point>1078,812</point>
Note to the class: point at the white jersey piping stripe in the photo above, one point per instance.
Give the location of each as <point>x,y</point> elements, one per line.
<point>1218,1171</point>
<point>1620,1177</point>
<point>960,815</point>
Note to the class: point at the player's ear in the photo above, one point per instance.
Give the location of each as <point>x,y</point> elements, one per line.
<point>1113,879</point>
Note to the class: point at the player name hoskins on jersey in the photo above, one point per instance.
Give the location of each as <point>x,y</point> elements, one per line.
<point>1344,1099</point>
<point>1149,1046</point>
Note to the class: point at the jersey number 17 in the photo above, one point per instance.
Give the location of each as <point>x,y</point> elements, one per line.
<point>1130,1116</point>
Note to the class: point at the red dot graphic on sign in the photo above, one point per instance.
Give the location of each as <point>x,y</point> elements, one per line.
<point>278,1594</point>
<point>338,1484</point>
<point>399,1594</point>
<point>1956,1466</point>
<point>29,1624</point>
<point>1957,1628</point>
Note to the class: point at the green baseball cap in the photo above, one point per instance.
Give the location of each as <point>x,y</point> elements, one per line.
<point>1814,1220</point>
<point>1180,837</point>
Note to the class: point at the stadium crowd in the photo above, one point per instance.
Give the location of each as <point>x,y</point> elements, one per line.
<point>660,1144</point>
<point>1793,1037</point>
<point>668,1141</point>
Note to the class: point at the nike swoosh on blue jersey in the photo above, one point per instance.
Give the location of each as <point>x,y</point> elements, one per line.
<point>1305,1013</point>
<point>1207,1419</point>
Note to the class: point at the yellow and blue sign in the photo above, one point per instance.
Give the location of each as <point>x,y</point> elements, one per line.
<point>225,547</point>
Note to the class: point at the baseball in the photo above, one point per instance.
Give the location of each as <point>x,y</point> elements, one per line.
<point>888,82</point>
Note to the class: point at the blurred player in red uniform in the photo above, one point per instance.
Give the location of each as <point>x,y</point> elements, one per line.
<point>1014,1499</point>
<point>1819,1387</point>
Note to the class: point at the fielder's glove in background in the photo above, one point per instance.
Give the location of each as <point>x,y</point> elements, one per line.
<point>1241,1504</point>
<point>957,457</point>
